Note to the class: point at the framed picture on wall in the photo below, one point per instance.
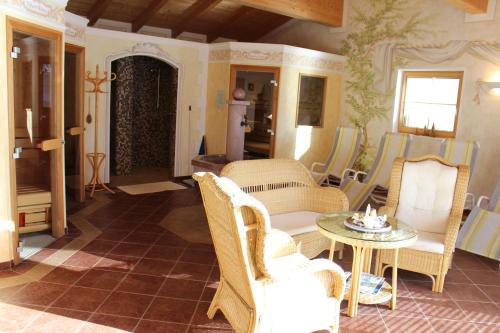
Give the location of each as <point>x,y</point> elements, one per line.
<point>311,100</point>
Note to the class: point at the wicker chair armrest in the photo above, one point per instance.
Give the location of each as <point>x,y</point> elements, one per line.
<point>316,165</point>
<point>451,234</point>
<point>279,244</point>
<point>327,199</point>
<point>385,210</point>
<point>332,276</point>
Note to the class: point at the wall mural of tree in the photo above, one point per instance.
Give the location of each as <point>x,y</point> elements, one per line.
<point>376,22</point>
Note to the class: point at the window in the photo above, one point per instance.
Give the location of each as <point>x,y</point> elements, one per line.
<point>430,102</point>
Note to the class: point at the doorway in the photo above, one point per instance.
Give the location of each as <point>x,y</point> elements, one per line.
<point>74,69</point>
<point>35,113</point>
<point>142,120</point>
<point>261,86</point>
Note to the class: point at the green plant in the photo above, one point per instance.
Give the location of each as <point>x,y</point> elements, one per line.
<point>378,21</point>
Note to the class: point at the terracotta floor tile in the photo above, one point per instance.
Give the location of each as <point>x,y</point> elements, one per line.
<point>456,276</point>
<point>154,267</point>
<point>362,324</point>
<point>424,290</point>
<point>117,263</point>
<point>201,247</point>
<point>141,237</point>
<point>481,312</point>
<point>215,275</point>
<point>62,321</point>
<point>171,310</point>
<point>122,225</point>
<point>120,323</point>
<point>101,279</point>
<point>198,257</point>
<point>440,308</point>
<point>186,289</point>
<point>493,292</point>
<point>130,250</point>
<point>171,239</point>
<point>488,328</point>
<point>99,246</point>
<point>64,275</point>
<point>150,227</point>
<point>209,291</point>
<point>405,307</point>
<point>42,255</point>
<point>201,329</point>
<point>141,284</point>
<point>13,318</point>
<point>82,259</point>
<point>408,325</point>
<point>201,319</point>
<point>191,271</point>
<point>59,243</point>
<point>149,326</point>
<point>8,292</point>
<point>38,293</point>
<point>83,299</point>
<point>113,235</point>
<point>446,326</point>
<point>465,292</point>
<point>164,252</point>
<point>125,304</point>
<point>484,277</point>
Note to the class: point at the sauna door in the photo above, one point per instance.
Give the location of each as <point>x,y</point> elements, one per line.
<point>74,67</point>
<point>34,70</point>
<point>261,86</point>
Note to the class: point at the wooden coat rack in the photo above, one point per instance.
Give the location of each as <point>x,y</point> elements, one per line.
<point>96,159</point>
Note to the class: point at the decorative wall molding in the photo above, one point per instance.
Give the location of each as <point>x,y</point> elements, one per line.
<point>52,10</point>
<point>278,55</point>
<point>76,27</point>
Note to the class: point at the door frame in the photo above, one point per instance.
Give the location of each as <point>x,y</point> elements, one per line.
<point>57,160</point>
<point>80,52</point>
<point>267,69</point>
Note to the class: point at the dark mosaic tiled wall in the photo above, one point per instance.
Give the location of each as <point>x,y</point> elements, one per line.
<point>143,113</point>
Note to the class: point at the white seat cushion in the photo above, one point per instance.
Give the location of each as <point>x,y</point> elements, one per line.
<point>426,195</point>
<point>295,223</point>
<point>429,242</point>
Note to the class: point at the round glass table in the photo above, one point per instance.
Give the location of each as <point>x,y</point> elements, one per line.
<point>332,226</point>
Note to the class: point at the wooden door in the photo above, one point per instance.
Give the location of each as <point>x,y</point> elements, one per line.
<point>74,154</point>
<point>35,126</point>
<point>261,86</point>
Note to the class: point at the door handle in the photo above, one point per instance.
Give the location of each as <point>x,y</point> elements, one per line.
<point>270,131</point>
<point>17,153</point>
<point>51,144</point>
<point>74,131</point>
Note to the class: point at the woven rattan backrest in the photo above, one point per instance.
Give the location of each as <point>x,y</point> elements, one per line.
<point>265,175</point>
<point>234,243</point>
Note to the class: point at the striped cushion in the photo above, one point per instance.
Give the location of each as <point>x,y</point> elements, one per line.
<point>481,234</point>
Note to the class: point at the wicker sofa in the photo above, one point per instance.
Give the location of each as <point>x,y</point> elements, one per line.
<point>291,196</point>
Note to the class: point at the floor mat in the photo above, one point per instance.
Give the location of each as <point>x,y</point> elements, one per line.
<point>33,243</point>
<point>151,188</point>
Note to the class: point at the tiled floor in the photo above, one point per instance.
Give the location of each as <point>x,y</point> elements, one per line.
<point>137,276</point>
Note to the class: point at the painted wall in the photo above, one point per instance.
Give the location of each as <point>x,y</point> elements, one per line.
<point>476,122</point>
<point>191,58</point>
<point>304,143</point>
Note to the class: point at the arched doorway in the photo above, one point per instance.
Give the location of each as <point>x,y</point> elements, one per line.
<point>142,120</point>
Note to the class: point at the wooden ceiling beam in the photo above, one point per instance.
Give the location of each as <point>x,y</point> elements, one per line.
<point>272,25</point>
<point>193,11</point>
<point>471,6</point>
<point>328,12</point>
<point>97,10</point>
<point>223,28</point>
<point>147,14</point>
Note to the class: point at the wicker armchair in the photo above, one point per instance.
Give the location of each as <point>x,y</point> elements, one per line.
<point>265,284</point>
<point>429,194</point>
<point>291,196</point>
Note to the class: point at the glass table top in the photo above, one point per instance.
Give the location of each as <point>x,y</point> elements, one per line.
<point>334,223</point>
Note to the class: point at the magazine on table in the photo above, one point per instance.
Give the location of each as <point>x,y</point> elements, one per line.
<point>370,284</point>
